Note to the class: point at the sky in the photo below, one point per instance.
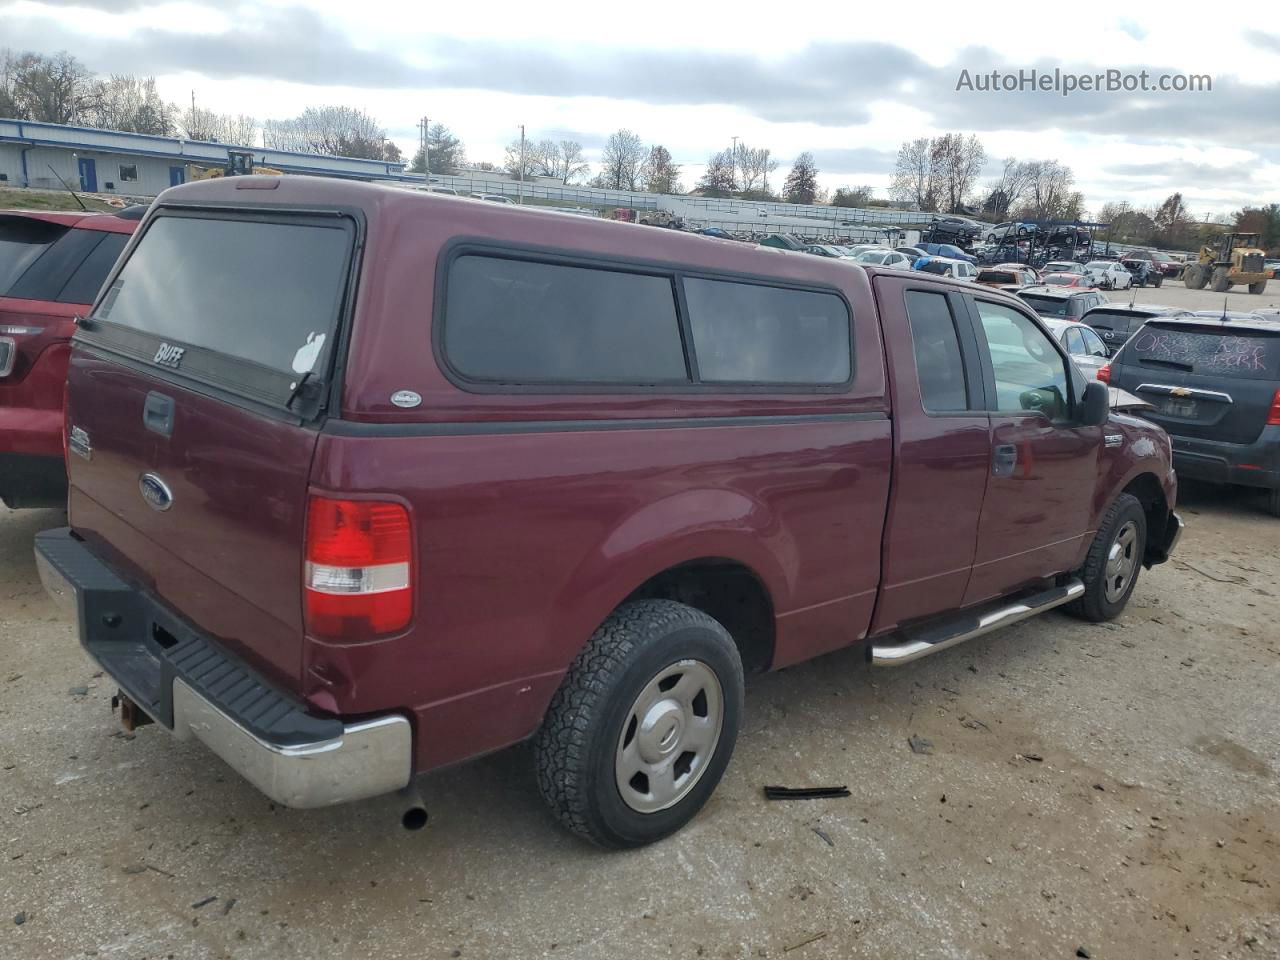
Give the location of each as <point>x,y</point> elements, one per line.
<point>849,82</point>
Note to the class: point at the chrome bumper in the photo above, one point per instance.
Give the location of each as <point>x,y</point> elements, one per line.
<point>364,759</point>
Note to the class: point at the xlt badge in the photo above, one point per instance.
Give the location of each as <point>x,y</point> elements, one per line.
<point>169,356</point>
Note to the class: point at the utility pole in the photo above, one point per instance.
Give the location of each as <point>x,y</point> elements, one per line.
<point>423,145</point>
<point>733,164</point>
<point>520,187</point>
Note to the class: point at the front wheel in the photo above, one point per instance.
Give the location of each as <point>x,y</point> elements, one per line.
<point>643,725</point>
<point>1258,287</point>
<point>1111,567</point>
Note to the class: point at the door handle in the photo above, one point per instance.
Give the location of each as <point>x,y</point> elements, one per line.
<point>1004,460</point>
<point>157,414</point>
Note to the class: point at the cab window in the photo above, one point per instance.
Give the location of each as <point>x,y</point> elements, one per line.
<point>1030,374</point>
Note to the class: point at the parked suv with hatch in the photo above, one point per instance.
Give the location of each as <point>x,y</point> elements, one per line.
<point>1116,322</point>
<point>1214,383</point>
<point>1062,303</point>
<point>444,476</point>
<point>51,267</point>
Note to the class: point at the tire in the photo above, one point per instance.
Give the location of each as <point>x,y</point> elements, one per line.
<point>1219,283</point>
<point>1258,287</point>
<point>1159,281</point>
<point>1195,276</point>
<point>1273,501</point>
<point>1104,595</point>
<point>592,732</point>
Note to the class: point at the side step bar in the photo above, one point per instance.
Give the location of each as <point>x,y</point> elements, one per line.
<point>914,643</point>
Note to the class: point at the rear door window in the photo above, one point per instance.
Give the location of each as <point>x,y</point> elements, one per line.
<point>936,345</point>
<point>23,240</point>
<point>752,333</point>
<point>1233,353</point>
<point>84,284</point>
<point>521,321</point>
<point>264,294</point>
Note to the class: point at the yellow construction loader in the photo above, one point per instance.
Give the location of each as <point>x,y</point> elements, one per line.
<point>239,164</point>
<point>1237,259</point>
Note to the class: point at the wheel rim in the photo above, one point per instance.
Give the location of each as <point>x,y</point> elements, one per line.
<point>1122,561</point>
<point>669,736</point>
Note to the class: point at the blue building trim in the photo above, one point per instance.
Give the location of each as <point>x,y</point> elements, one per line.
<point>179,142</point>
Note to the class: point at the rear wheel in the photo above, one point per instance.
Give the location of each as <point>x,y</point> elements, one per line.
<point>1258,287</point>
<point>1195,276</point>
<point>1219,283</point>
<point>1111,567</point>
<point>1273,501</point>
<point>1159,279</point>
<point>643,725</point>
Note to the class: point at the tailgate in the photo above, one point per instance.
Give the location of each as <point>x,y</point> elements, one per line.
<point>1215,382</point>
<point>194,399</point>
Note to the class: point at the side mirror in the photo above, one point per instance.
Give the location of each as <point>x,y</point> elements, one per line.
<point>1095,404</point>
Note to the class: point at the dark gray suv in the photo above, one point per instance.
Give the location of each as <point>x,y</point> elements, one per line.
<point>1215,386</point>
<point>1115,322</point>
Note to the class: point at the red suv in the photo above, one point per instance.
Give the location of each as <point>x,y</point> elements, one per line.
<point>51,267</point>
<point>365,482</point>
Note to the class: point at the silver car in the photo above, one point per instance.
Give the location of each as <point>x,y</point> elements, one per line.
<point>1083,345</point>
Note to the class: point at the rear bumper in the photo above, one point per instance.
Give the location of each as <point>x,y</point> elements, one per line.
<point>1255,464</point>
<point>186,683</point>
<point>32,480</point>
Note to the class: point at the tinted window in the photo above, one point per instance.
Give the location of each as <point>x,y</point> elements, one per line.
<point>22,241</point>
<point>521,321</point>
<point>265,292</point>
<point>998,276</point>
<point>45,278</point>
<point>1227,353</point>
<point>1048,306</point>
<point>1114,320</point>
<point>1029,372</point>
<point>937,351</point>
<point>92,273</point>
<point>748,333</point>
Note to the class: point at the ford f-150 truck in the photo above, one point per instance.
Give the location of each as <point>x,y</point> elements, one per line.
<point>364,482</point>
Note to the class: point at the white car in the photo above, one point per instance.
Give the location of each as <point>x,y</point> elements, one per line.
<point>947,267</point>
<point>1061,266</point>
<point>882,257</point>
<point>1083,345</point>
<point>1109,274</point>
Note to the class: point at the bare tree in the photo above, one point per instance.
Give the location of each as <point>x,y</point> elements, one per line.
<point>520,157</point>
<point>719,179</point>
<point>337,131</point>
<point>573,165</point>
<point>754,164</point>
<point>1049,195</point>
<point>660,174</point>
<point>1007,191</point>
<point>620,162</point>
<point>853,196</point>
<point>957,161</point>
<point>801,185</point>
<point>197,123</point>
<point>915,178</point>
<point>130,104</point>
<point>49,89</point>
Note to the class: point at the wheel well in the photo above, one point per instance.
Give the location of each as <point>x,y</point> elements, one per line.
<point>1150,494</point>
<point>728,591</point>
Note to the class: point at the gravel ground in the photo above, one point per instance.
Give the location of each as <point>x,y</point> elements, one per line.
<point>1107,788</point>
<point>1107,791</point>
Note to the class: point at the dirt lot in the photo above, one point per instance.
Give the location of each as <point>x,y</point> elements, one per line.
<point>1173,293</point>
<point>1113,788</point>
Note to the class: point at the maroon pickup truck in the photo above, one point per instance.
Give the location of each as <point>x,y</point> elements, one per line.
<point>364,482</point>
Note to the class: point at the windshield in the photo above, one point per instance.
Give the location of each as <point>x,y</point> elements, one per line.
<point>1048,306</point>
<point>1098,264</point>
<point>1059,280</point>
<point>872,256</point>
<point>997,276</point>
<point>265,292</point>
<point>936,266</point>
<point>1250,355</point>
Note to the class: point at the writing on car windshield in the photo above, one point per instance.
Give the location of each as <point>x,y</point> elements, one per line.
<point>1237,354</point>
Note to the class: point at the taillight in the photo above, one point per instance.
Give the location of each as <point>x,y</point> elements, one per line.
<point>1273,415</point>
<point>359,569</point>
<point>1104,375</point>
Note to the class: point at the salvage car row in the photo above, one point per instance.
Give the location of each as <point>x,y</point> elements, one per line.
<point>346,520</point>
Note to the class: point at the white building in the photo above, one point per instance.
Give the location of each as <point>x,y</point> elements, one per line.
<point>50,155</point>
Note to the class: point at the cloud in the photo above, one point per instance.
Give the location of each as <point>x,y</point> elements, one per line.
<point>1264,41</point>
<point>855,160</point>
<point>1133,29</point>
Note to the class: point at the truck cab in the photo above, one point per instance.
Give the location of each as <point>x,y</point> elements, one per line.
<point>447,476</point>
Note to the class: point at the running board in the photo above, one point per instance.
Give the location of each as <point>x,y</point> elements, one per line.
<point>915,643</point>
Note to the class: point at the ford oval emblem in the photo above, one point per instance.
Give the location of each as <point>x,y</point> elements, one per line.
<point>406,398</point>
<point>155,491</point>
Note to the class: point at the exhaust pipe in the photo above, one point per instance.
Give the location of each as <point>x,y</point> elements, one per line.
<point>414,816</point>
